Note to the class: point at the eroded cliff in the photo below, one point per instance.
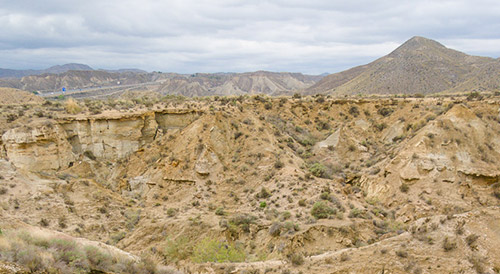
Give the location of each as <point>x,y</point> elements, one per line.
<point>56,144</point>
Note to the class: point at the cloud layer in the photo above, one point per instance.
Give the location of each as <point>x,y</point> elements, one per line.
<point>229,35</point>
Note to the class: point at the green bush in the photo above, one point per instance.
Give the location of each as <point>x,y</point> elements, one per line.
<point>210,250</point>
<point>243,221</point>
<point>321,211</point>
<point>318,170</point>
<point>358,213</point>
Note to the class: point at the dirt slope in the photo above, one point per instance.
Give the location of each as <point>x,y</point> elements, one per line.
<point>311,185</point>
<point>11,96</point>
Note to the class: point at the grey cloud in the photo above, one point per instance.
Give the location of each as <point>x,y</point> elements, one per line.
<point>229,35</point>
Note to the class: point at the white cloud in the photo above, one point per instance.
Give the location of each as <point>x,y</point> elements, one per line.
<point>232,35</point>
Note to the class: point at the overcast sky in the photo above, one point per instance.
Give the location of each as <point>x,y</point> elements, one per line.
<point>185,36</point>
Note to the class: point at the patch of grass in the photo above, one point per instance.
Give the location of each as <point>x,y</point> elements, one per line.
<point>171,212</point>
<point>179,249</point>
<point>211,250</point>
<point>358,213</point>
<point>219,211</point>
<point>65,255</point>
<point>133,218</point>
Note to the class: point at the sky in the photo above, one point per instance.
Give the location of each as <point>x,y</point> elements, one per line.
<point>187,36</point>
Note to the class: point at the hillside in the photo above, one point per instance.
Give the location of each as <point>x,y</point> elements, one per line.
<point>255,183</point>
<point>200,84</point>
<point>261,82</point>
<point>10,96</point>
<point>419,65</point>
<point>12,73</point>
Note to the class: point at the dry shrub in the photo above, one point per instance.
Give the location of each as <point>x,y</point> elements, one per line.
<point>51,254</point>
<point>72,106</point>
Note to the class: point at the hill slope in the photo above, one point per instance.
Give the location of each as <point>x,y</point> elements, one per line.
<point>264,82</point>
<point>304,184</point>
<point>419,65</point>
<point>11,96</point>
<point>199,84</point>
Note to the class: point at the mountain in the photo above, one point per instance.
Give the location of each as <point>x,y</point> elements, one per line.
<point>271,83</point>
<point>66,67</point>
<point>12,73</point>
<point>199,84</point>
<point>420,65</point>
<point>76,79</point>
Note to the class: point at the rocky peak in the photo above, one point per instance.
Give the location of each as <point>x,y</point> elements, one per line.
<point>417,43</point>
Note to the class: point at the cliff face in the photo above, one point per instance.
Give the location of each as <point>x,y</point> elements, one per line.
<point>38,148</point>
<point>57,144</point>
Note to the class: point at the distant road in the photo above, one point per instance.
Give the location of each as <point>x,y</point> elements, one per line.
<point>111,89</point>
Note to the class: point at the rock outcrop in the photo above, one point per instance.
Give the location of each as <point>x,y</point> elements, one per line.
<point>38,148</point>
<point>53,145</point>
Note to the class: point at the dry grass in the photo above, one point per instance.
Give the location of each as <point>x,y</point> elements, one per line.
<point>42,253</point>
<point>72,106</point>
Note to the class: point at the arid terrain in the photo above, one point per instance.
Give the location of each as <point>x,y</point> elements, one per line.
<point>389,167</point>
<point>251,184</point>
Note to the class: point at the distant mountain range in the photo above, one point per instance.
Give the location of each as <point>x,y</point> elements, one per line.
<point>7,73</point>
<point>13,73</point>
<point>420,65</point>
<point>199,84</point>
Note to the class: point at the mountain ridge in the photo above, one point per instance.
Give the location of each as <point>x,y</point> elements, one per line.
<point>419,65</point>
<point>15,73</point>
